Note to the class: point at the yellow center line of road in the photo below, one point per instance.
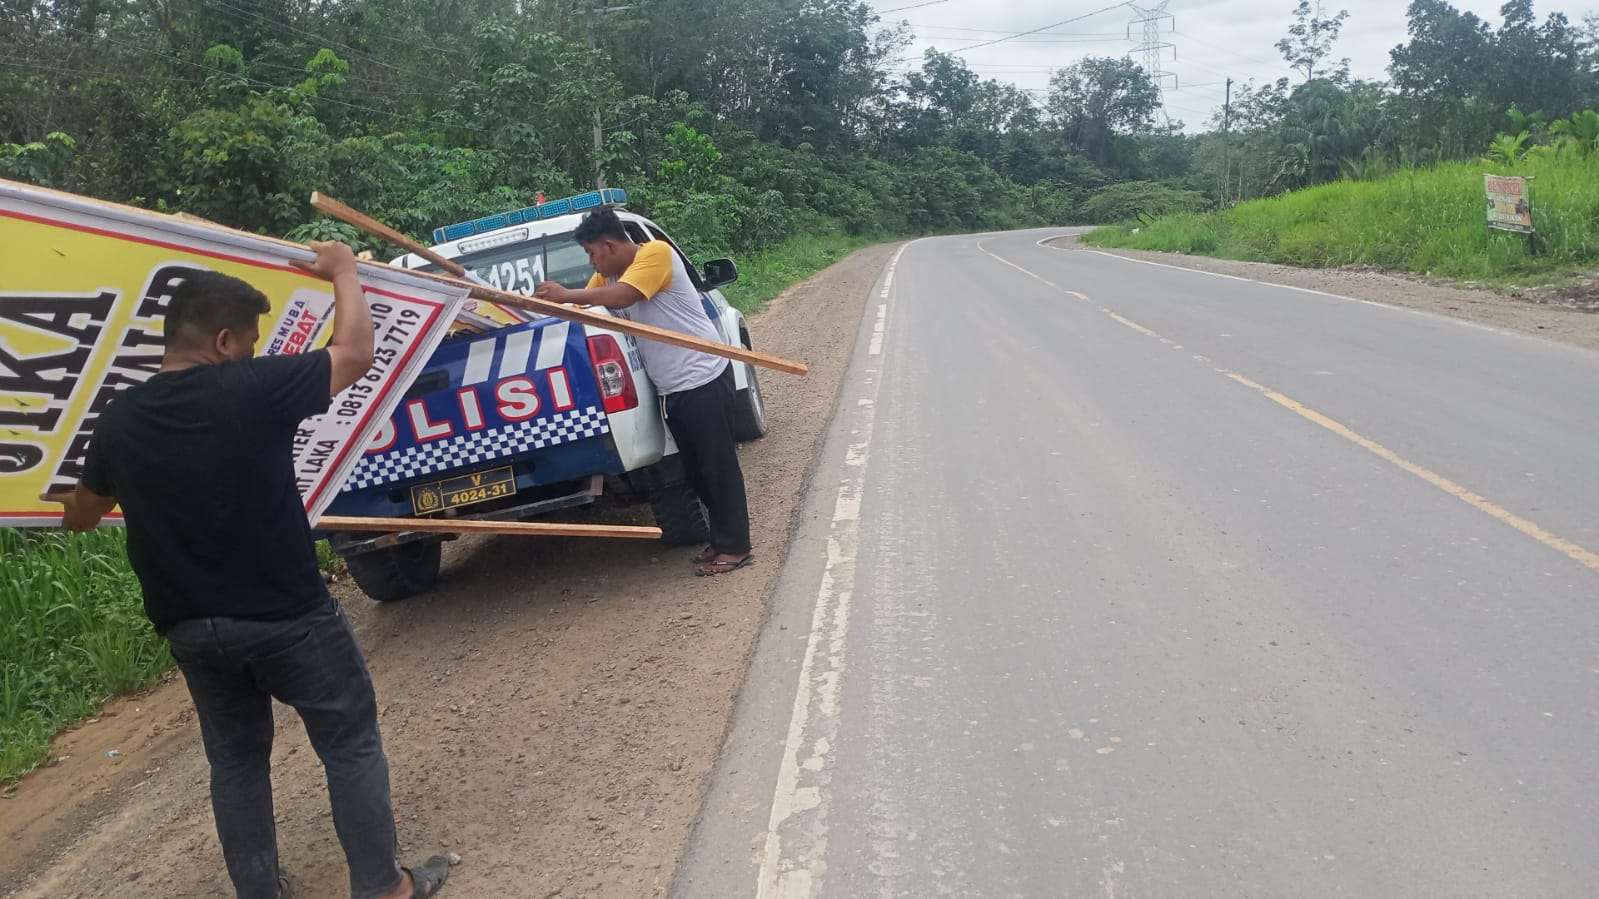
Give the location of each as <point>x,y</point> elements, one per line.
<point>1531,529</point>
<point>1580,554</point>
<point>1129,323</point>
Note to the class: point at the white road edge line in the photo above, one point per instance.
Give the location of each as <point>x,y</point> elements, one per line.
<point>816,707</point>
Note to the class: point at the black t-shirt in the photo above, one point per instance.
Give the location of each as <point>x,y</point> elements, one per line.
<point>201,461</point>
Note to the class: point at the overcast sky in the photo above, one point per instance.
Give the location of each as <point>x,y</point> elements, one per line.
<point>1214,39</point>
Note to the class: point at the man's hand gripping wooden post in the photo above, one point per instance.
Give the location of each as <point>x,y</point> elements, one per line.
<point>350,347</point>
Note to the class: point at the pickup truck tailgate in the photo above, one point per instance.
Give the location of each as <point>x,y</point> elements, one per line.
<point>522,396</point>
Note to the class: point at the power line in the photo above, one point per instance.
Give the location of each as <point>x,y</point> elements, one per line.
<point>912,6</point>
<point>1204,86</point>
<point>355,79</point>
<point>1211,69</point>
<point>1256,60</point>
<point>106,73</point>
<point>1000,69</point>
<point>1087,40</point>
<point>1003,31</point>
<point>326,41</point>
<point>1001,40</point>
<point>282,24</point>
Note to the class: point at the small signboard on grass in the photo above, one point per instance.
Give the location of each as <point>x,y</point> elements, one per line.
<point>1509,203</point>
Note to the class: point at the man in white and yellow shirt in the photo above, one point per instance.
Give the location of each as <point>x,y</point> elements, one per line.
<point>648,283</point>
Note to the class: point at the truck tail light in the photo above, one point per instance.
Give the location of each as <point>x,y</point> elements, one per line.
<point>610,369</point>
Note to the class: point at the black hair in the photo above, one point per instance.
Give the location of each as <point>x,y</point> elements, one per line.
<point>205,303</point>
<point>599,225</point>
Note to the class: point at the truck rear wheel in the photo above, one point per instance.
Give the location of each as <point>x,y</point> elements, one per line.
<point>397,572</point>
<point>680,515</point>
<point>749,409</point>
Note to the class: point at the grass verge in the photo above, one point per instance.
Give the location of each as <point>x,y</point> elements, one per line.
<point>75,635</point>
<point>1427,221</point>
<point>766,274</point>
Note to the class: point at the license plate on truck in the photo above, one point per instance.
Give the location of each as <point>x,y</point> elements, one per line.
<point>466,490</point>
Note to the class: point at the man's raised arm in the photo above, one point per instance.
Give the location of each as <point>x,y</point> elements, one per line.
<point>350,347</point>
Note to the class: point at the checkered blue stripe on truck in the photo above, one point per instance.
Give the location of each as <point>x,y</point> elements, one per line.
<point>477,446</point>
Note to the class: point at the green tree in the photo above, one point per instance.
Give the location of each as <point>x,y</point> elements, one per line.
<point>937,99</point>
<point>1094,100</point>
<point>1457,76</point>
<point>41,162</point>
<point>1310,40</point>
<point>1139,201</point>
<point>251,167</point>
<point>1537,66</point>
<point>1580,132</point>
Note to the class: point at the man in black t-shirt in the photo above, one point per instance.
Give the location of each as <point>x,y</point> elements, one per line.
<point>200,458</point>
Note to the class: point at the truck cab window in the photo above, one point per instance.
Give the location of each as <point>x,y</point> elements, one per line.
<point>568,263</point>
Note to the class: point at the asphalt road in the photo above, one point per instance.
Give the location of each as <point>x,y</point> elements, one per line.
<point>1120,580</point>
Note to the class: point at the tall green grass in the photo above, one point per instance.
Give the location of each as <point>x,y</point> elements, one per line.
<point>766,274</point>
<point>72,634</point>
<point>1428,221</point>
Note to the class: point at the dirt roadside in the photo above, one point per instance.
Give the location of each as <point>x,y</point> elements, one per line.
<point>1565,316</point>
<point>550,712</point>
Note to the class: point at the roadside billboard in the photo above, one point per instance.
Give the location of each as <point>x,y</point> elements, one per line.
<point>83,289</point>
<point>1509,203</point>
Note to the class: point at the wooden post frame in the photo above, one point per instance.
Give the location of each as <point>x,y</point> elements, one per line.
<point>479,526</point>
<point>577,314</point>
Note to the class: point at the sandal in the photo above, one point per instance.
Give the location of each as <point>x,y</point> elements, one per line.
<point>711,569</point>
<point>428,878</point>
<point>705,555</point>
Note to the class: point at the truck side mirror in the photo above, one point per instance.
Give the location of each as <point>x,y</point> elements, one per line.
<point>719,272</point>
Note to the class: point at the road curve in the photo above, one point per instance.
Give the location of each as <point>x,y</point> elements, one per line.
<point>1124,580</point>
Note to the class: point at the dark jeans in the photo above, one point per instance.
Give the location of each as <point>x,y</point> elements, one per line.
<point>235,668</point>
<point>702,424</point>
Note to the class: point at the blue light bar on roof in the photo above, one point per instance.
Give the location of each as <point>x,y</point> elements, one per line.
<point>594,199</point>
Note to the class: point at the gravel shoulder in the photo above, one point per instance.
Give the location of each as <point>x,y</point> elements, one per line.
<point>551,711</point>
<point>1564,316</point>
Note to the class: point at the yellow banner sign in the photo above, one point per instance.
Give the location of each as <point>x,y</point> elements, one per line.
<point>83,289</point>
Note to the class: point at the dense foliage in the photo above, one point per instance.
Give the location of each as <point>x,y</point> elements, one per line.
<point>1455,84</point>
<point>739,123</point>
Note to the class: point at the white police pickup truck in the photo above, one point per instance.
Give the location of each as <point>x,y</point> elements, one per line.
<point>519,416</point>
